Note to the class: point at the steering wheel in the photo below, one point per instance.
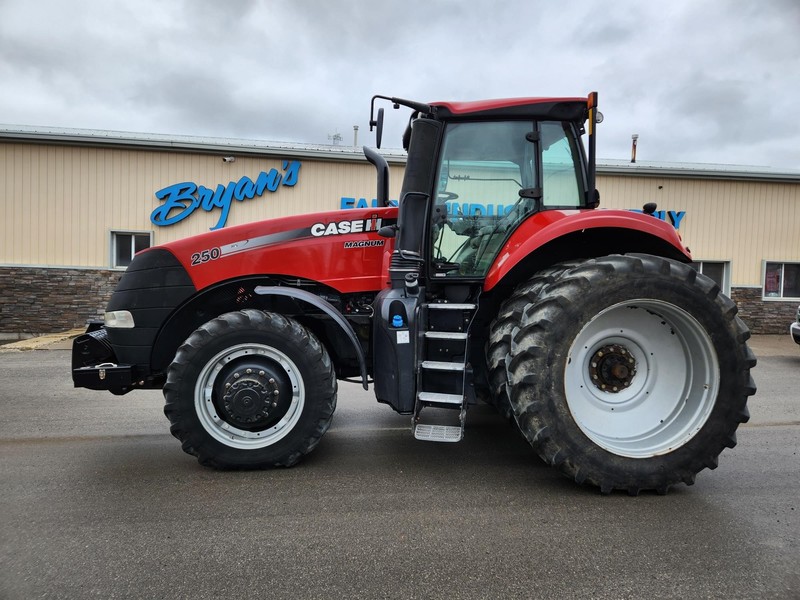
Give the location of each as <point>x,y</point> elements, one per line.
<point>446,196</point>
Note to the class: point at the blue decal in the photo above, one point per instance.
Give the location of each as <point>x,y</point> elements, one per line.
<point>181,199</point>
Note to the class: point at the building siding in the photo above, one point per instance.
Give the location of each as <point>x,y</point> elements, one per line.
<point>738,221</point>
<point>62,201</point>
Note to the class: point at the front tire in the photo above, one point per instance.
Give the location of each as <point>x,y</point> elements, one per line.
<point>631,372</point>
<point>250,389</point>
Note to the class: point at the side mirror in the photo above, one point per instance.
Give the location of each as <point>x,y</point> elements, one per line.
<point>595,199</point>
<point>378,124</point>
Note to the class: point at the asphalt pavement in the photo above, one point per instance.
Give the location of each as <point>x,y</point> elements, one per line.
<point>99,501</point>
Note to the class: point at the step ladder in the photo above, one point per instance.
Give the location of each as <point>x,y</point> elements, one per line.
<point>444,377</point>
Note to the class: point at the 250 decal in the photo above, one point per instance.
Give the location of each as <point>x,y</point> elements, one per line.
<point>198,258</point>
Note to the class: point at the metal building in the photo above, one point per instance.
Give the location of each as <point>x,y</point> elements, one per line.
<point>78,203</point>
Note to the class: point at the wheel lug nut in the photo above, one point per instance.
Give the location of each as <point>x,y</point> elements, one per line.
<point>236,376</point>
<point>261,373</point>
<point>275,393</point>
<point>274,404</point>
<point>271,380</point>
<point>249,371</point>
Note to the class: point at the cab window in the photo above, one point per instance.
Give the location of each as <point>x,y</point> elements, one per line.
<point>560,167</point>
<point>489,182</point>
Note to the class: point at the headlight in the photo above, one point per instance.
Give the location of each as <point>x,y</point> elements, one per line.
<point>120,319</point>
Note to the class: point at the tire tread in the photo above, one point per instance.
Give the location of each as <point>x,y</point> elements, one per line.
<point>179,410</point>
<point>530,356</point>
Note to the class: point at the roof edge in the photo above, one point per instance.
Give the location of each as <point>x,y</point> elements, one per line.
<point>697,171</point>
<point>212,145</point>
<point>183,143</point>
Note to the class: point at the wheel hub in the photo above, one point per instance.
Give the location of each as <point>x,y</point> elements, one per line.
<point>253,396</point>
<point>612,368</point>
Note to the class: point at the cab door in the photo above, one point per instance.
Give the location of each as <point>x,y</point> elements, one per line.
<point>491,176</point>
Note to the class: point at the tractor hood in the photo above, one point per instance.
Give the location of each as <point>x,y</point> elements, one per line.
<point>341,249</point>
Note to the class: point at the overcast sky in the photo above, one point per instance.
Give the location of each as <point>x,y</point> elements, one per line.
<point>714,81</point>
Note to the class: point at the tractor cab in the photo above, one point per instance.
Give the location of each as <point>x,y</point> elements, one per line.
<point>491,176</point>
<point>475,173</point>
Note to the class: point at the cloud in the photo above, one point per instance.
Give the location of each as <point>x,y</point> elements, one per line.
<point>711,82</point>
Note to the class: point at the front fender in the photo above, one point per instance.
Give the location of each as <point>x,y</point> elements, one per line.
<point>328,309</point>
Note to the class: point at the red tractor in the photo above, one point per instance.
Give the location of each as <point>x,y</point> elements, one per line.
<point>495,279</point>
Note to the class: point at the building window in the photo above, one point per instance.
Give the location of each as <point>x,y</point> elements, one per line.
<point>124,244</point>
<point>782,280</point>
<point>718,271</point>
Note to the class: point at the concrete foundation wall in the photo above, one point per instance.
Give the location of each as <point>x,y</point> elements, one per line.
<point>37,300</point>
<point>773,316</point>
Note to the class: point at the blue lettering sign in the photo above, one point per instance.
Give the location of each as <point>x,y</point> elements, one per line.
<point>181,199</point>
<point>472,209</point>
<point>676,216</point>
<point>353,202</point>
<point>670,216</point>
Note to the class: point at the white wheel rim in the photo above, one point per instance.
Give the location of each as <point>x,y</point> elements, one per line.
<point>668,399</point>
<point>228,434</point>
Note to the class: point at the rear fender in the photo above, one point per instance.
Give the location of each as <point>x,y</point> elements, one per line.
<point>554,235</point>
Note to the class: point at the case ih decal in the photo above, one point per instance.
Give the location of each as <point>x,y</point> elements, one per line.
<point>345,227</point>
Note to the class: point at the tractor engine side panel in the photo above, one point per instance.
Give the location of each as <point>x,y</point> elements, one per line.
<point>339,249</point>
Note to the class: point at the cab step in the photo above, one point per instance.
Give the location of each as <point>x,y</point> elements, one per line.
<point>443,373</point>
<point>434,365</point>
<point>437,398</point>
<point>438,433</point>
<point>445,335</point>
<point>451,306</point>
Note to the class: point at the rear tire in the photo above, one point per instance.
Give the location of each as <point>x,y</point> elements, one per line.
<point>509,317</point>
<point>631,372</point>
<point>250,390</point>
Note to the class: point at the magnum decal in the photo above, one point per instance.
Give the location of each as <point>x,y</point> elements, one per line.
<point>365,244</point>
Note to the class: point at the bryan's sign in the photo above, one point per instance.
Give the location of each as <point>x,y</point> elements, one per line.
<point>182,199</point>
